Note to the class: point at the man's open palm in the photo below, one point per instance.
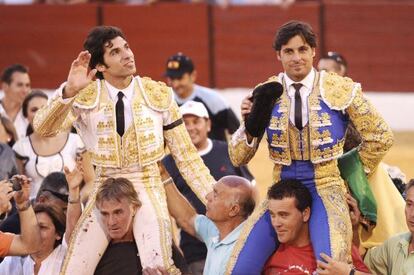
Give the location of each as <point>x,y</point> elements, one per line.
<point>79,77</point>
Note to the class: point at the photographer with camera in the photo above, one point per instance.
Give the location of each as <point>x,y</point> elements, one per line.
<point>29,240</point>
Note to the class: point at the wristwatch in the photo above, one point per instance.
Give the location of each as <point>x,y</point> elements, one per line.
<point>24,207</point>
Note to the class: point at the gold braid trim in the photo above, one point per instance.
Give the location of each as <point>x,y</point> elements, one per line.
<point>189,162</point>
<point>240,153</point>
<point>377,137</point>
<point>88,97</point>
<point>159,202</point>
<point>334,201</point>
<point>337,91</point>
<point>49,120</point>
<point>247,228</point>
<point>85,214</point>
<point>157,94</point>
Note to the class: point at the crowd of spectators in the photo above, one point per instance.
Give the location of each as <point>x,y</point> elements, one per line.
<point>45,183</point>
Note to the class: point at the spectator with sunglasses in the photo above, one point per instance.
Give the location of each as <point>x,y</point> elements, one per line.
<point>39,156</point>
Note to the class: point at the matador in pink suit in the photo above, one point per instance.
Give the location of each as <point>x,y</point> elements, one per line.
<point>124,122</point>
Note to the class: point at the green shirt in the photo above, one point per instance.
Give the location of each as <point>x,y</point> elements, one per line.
<point>391,258</point>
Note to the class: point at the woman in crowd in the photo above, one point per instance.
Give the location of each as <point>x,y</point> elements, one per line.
<point>48,259</point>
<point>38,156</point>
<point>8,167</point>
<point>55,232</point>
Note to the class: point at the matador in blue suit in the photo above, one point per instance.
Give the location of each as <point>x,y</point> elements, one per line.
<point>304,120</point>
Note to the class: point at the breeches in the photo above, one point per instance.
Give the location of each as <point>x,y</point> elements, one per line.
<point>151,228</point>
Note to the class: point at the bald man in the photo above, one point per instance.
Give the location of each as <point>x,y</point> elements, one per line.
<point>228,206</point>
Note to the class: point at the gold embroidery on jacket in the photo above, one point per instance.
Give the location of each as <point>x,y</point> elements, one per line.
<point>333,198</point>
<point>299,142</point>
<point>157,94</point>
<point>337,91</point>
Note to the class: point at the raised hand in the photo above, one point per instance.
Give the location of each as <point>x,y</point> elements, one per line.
<point>246,106</point>
<point>74,177</point>
<point>22,197</point>
<point>79,77</point>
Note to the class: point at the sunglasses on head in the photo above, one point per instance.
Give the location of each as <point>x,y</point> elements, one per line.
<point>60,196</point>
<point>336,57</point>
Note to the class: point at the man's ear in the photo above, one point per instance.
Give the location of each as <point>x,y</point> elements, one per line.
<point>278,55</point>
<point>208,125</point>
<point>193,76</point>
<point>134,209</point>
<point>306,214</point>
<point>313,52</point>
<point>4,86</point>
<point>234,210</point>
<point>100,67</point>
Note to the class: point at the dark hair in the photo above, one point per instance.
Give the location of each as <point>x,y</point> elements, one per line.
<point>56,184</point>
<point>337,57</point>
<point>409,185</point>
<point>116,189</point>
<point>247,205</point>
<point>291,29</point>
<point>7,74</point>
<point>352,138</point>
<point>57,216</point>
<point>9,128</point>
<point>95,43</point>
<point>25,105</point>
<point>30,96</point>
<point>291,189</point>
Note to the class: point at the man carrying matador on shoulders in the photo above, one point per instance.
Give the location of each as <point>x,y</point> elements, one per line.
<point>304,115</point>
<point>124,122</point>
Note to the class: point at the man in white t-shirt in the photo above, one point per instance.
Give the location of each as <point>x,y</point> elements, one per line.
<point>15,83</point>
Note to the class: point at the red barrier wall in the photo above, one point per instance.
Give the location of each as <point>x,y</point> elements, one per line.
<point>45,38</point>
<point>231,47</point>
<point>159,31</point>
<point>377,40</point>
<point>243,41</point>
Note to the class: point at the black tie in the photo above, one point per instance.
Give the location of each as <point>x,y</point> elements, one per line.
<point>119,109</point>
<point>298,106</point>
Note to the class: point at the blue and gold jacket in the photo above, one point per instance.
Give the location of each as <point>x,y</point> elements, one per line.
<point>332,104</point>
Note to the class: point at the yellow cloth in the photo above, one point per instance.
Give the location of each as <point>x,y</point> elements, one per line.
<point>390,210</point>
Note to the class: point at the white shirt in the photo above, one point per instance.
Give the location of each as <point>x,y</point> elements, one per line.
<point>24,265</point>
<point>207,149</point>
<point>127,99</point>
<point>38,167</point>
<point>305,90</point>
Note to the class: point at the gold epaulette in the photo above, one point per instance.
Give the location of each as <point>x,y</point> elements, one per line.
<point>87,97</point>
<point>337,91</point>
<point>273,78</point>
<point>157,94</point>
